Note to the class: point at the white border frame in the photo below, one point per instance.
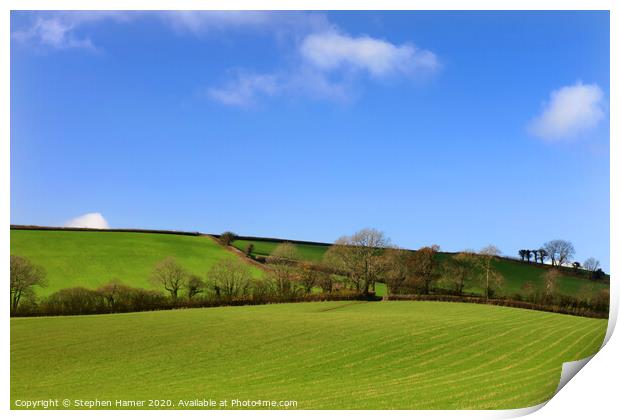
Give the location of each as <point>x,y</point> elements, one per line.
<point>594,393</point>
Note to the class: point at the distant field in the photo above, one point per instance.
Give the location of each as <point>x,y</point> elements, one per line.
<point>306,252</point>
<point>353,355</point>
<point>90,259</point>
<point>515,273</point>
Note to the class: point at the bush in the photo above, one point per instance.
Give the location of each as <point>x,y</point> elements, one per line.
<point>249,249</point>
<point>116,297</point>
<point>561,303</point>
<point>263,291</point>
<point>74,301</point>
<point>227,238</point>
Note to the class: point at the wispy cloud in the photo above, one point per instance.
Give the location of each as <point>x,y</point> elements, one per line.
<point>323,62</point>
<point>328,65</point>
<point>334,50</point>
<point>53,32</point>
<point>88,220</point>
<point>206,22</point>
<point>58,30</point>
<point>245,88</point>
<point>569,113</point>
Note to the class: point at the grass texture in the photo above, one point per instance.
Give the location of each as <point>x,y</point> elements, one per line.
<point>91,259</point>
<point>328,355</point>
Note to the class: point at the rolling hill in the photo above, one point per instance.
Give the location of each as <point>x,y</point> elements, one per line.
<point>515,273</point>
<point>92,258</point>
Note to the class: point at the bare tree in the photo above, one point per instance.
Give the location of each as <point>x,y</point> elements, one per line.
<point>522,254</point>
<point>535,253</point>
<point>542,254</point>
<point>560,251</point>
<point>326,276</point>
<point>457,269</point>
<point>308,276</point>
<point>343,260</point>
<point>398,265</point>
<point>227,238</point>
<point>492,277</point>
<point>550,282</point>
<point>169,275</point>
<point>283,264</point>
<point>23,278</point>
<point>229,278</point>
<point>326,282</point>
<point>112,292</point>
<point>360,257</point>
<point>194,285</point>
<point>591,264</point>
<point>426,266</point>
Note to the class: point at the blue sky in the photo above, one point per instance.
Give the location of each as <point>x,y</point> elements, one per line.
<point>452,128</point>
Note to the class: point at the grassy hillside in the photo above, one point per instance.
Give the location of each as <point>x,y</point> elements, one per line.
<point>90,259</point>
<point>306,252</point>
<point>515,273</point>
<point>422,355</point>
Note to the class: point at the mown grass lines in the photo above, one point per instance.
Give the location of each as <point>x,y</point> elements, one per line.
<point>367,355</point>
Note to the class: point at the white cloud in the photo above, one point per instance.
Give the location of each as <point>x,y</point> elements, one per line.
<point>57,30</point>
<point>327,67</point>
<point>202,22</point>
<point>53,33</point>
<point>326,63</point>
<point>88,220</point>
<point>245,89</point>
<point>570,112</point>
<point>332,50</point>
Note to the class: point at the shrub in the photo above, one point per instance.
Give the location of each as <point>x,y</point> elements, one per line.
<point>74,301</point>
<point>229,279</point>
<point>227,238</point>
<point>194,286</point>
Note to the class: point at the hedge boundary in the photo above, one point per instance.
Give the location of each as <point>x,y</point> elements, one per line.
<point>572,310</point>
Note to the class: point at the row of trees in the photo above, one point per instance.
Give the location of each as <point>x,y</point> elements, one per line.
<point>561,253</point>
<point>353,265</point>
<point>368,257</point>
<point>228,281</point>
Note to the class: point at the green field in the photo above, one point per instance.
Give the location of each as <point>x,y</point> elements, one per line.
<point>515,273</point>
<point>306,252</point>
<point>90,259</point>
<point>355,355</point>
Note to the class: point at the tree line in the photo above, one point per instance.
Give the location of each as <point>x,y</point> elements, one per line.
<point>560,253</point>
<point>350,269</point>
<point>228,282</point>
